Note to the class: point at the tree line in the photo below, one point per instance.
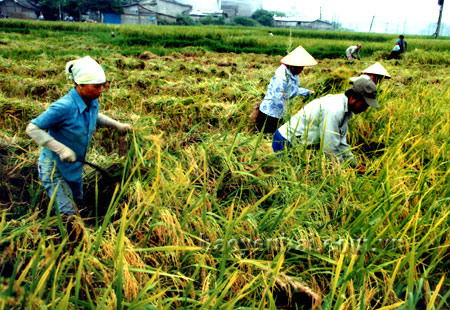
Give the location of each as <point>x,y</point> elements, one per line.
<point>52,9</point>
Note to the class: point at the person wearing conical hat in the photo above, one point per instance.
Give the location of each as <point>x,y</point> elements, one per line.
<point>65,130</point>
<point>375,72</point>
<point>283,87</point>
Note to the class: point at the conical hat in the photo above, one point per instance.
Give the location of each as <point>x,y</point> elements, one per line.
<point>299,58</point>
<point>377,69</point>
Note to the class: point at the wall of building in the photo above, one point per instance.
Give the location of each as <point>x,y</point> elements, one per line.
<point>230,11</point>
<point>138,20</point>
<point>285,24</point>
<point>317,25</point>
<point>131,10</point>
<point>13,10</point>
<point>245,7</point>
<point>170,8</point>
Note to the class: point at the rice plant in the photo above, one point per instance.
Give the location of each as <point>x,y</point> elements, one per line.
<point>197,211</point>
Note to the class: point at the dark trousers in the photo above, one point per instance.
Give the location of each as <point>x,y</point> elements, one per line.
<point>268,123</point>
<point>394,55</point>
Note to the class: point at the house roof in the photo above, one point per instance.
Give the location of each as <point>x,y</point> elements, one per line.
<point>23,3</point>
<point>142,10</point>
<point>154,2</point>
<point>320,21</point>
<point>205,13</point>
<point>176,2</point>
<point>298,20</point>
<point>286,19</point>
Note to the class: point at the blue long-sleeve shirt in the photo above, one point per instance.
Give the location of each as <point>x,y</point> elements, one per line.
<point>72,123</point>
<point>325,117</point>
<point>282,88</point>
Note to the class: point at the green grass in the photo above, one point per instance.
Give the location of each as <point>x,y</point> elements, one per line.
<point>203,214</point>
<point>164,39</point>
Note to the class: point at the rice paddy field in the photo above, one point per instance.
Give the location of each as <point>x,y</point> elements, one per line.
<point>197,212</point>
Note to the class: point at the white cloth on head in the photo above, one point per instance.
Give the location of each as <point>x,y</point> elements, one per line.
<point>85,71</point>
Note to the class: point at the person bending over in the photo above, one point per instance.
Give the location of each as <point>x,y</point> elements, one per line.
<point>325,121</point>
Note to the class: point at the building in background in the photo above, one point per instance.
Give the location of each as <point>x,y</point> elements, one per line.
<point>295,22</point>
<point>286,22</point>
<point>318,25</point>
<point>241,7</point>
<point>21,9</point>
<point>149,12</point>
<point>230,11</point>
<point>167,9</point>
<point>198,15</point>
<point>212,6</point>
<point>203,8</point>
<point>137,14</point>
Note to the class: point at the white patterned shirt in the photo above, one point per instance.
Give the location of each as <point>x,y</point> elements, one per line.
<point>282,88</point>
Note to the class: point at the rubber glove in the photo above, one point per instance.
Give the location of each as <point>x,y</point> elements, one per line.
<point>43,138</point>
<point>104,120</point>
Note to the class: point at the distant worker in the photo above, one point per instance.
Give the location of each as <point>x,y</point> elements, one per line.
<point>375,72</point>
<point>353,52</point>
<point>400,47</point>
<point>283,87</point>
<point>70,122</point>
<point>324,121</point>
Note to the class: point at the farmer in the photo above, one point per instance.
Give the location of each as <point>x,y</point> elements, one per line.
<point>375,72</point>
<point>353,52</point>
<point>70,123</point>
<point>400,47</point>
<point>325,121</point>
<point>283,87</point>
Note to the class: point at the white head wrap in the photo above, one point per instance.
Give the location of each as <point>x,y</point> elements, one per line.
<point>85,71</point>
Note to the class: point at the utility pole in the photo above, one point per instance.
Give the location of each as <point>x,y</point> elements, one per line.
<point>320,18</point>
<point>438,28</point>
<point>371,23</point>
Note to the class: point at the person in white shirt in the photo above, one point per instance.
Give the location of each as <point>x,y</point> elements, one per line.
<point>324,122</point>
<point>353,52</point>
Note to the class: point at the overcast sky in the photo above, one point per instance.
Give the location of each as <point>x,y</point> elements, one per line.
<point>392,16</point>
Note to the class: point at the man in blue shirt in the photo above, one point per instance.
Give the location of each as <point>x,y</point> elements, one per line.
<point>70,123</point>
<point>402,43</point>
<point>400,47</point>
<point>283,87</point>
<point>324,121</point>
